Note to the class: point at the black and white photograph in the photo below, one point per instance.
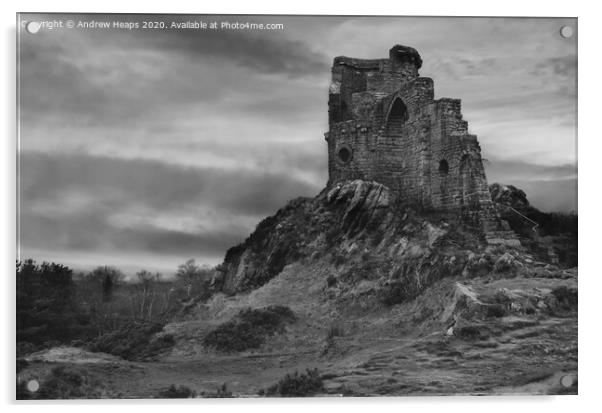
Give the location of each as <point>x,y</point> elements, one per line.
<point>285,206</point>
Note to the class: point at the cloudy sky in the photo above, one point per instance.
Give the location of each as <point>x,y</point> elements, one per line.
<point>143,148</point>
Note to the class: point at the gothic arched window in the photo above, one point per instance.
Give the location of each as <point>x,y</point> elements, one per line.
<point>398,115</point>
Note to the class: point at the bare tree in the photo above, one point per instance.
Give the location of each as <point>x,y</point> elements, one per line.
<point>145,295</point>
<point>192,276</point>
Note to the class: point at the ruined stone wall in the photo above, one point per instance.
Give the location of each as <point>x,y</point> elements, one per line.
<point>349,76</point>
<point>383,150</point>
<point>386,126</point>
<point>378,76</point>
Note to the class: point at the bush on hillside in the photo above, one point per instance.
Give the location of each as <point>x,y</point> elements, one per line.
<point>297,385</point>
<point>221,393</point>
<point>177,392</point>
<point>249,329</point>
<point>69,383</point>
<point>134,341</point>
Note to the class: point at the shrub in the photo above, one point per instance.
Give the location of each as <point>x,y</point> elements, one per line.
<point>177,392</point>
<point>69,383</point>
<point>221,393</point>
<point>21,364</point>
<point>134,341</point>
<point>25,347</point>
<point>496,310</point>
<point>249,328</point>
<point>566,297</point>
<point>530,309</point>
<point>331,281</point>
<point>471,332</point>
<point>397,292</point>
<point>393,295</point>
<point>296,385</point>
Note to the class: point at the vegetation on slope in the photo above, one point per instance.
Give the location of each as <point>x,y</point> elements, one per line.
<point>249,329</point>
<point>297,385</point>
<point>100,310</point>
<point>65,383</point>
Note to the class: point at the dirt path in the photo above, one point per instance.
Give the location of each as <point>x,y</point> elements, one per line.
<point>409,350</point>
<point>528,358</point>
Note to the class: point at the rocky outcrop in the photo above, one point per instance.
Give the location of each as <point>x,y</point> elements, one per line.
<point>306,228</point>
<point>377,251</point>
<point>373,244</point>
<point>509,195</point>
<point>549,236</point>
<point>277,241</point>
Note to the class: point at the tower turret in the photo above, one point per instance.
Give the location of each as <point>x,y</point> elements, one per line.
<point>386,126</point>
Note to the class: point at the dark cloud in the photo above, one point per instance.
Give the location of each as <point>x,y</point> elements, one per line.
<point>55,89</point>
<point>157,185</point>
<point>270,53</point>
<point>150,78</point>
<point>267,51</point>
<point>68,202</point>
<point>91,232</point>
<point>52,85</point>
<point>309,156</point>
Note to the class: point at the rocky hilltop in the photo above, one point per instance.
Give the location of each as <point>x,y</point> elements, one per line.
<point>550,237</point>
<point>364,296</point>
<point>509,195</point>
<point>356,224</point>
<point>360,225</point>
<point>385,300</point>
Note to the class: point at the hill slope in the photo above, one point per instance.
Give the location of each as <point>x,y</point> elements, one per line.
<point>388,301</point>
<point>381,299</point>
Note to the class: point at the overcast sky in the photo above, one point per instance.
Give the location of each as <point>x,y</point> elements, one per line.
<point>143,148</point>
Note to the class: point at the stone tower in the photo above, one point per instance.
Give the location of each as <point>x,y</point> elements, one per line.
<point>386,126</point>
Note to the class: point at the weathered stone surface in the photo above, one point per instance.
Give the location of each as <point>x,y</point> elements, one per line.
<point>505,263</point>
<point>366,201</point>
<point>357,227</point>
<point>509,195</point>
<point>386,126</point>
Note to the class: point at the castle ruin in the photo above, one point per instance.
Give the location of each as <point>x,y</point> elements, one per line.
<point>386,126</point>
